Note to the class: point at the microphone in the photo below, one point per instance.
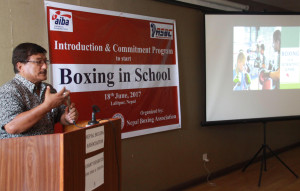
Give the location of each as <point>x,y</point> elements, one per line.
<point>96,109</point>
<point>68,102</point>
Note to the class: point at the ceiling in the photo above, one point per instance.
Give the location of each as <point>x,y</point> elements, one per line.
<point>288,5</point>
<point>291,5</point>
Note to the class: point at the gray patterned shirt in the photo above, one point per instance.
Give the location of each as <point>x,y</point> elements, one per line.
<point>18,96</point>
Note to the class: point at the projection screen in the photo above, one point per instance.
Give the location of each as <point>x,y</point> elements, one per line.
<point>252,67</point>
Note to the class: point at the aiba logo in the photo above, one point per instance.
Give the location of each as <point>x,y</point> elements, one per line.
<point>61,21</point>
<point>161,31</point>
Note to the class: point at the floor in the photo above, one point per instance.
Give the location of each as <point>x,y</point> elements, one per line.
<point>277,177</point>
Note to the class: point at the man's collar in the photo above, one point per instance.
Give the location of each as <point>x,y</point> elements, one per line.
<point>31,86</point>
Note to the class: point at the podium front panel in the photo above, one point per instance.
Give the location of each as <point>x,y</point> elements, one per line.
<point>75,156</point>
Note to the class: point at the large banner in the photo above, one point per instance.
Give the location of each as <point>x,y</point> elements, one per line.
<point>125,64</point>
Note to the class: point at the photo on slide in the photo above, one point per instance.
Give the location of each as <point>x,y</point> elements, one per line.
<point>266,58</point>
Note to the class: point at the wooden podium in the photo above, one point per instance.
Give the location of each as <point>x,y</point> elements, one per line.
<point>57,162</point>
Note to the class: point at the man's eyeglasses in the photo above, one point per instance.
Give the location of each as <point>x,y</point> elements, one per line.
<point>39,62</point>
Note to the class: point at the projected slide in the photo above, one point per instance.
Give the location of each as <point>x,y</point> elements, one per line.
<point>252,67</point>
<point>266,58</point>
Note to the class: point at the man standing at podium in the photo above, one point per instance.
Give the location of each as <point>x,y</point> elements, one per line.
<point>28,106</point>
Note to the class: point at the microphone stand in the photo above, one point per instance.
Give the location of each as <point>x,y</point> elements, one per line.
<point>96,109</point>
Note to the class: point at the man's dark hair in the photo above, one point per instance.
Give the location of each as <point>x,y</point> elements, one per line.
<point>23,51</point>
<point>277,35</point>
<point>262,46</point>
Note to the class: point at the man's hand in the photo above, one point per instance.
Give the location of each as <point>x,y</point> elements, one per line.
<point>70,115</point>
<point>53,100</point>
